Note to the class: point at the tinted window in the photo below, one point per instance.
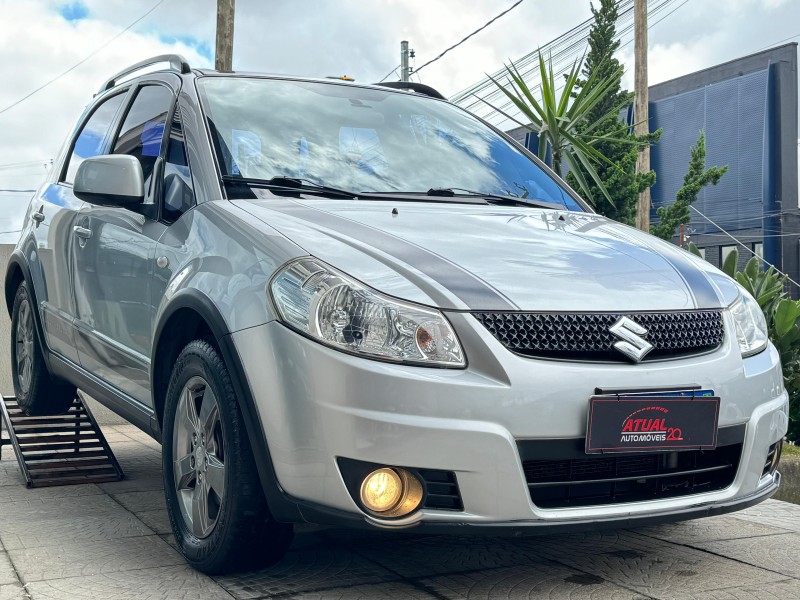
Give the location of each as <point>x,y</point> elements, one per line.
<point>90,141</point>
<point>142,131</point>
<point>177,189</point>
<point>364,140</point>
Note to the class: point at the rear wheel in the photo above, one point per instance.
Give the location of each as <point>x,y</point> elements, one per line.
<point>36,391</point>
<point>214,498</point>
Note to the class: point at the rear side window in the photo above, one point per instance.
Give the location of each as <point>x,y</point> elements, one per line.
<point>178,196</point>
<point>89,142</point>
<point>142,132</point>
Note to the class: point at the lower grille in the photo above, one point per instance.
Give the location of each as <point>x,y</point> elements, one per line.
<point>578,479</point>
<point>442,490</point>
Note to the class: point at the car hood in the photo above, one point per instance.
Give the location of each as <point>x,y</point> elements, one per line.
<point>478,257</point>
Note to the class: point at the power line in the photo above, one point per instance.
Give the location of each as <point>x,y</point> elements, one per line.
<point>659,21</point>
<point>562,52</point>
<point>433,60</point>
<point>79,63</point>
<point>389,74</point>
<point>778,42</point>
<point>580,31</point>
<point>743,245</point>
<point>568,59</point>
<point>27,164</point>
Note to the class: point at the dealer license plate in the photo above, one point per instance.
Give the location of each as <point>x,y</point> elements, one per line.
<point>652,421</point>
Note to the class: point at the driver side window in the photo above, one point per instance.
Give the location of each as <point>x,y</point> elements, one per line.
<point>142,131</point>
<point>90,141</point>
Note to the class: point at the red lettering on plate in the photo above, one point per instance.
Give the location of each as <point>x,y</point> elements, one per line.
<point>674,434</point>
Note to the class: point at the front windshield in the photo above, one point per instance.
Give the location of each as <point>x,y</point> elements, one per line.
<point>364,140</point>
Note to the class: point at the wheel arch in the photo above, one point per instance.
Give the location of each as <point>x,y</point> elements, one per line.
<point>190,315</point>
<point>18,271</point>
<point>193,315</point>
<point>14,276</point>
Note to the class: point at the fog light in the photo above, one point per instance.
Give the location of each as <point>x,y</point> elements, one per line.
<point>381,490</point>
<point>391,492</point>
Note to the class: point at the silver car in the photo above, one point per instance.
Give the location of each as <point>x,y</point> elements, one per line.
<point>361,305</point>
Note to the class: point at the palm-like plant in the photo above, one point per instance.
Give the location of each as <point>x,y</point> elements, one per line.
<point>555,118</point>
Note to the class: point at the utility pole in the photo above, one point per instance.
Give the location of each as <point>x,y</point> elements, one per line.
<point>404,71</point>
<point>640,107</point>
<point>223,60</point>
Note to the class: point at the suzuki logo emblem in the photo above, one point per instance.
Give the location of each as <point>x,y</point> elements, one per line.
<point>631,343</point>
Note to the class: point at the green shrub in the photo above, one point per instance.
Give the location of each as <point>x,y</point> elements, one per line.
<point>783,321</point>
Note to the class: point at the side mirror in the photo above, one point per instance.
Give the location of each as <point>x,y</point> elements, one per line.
<point>110,180</point>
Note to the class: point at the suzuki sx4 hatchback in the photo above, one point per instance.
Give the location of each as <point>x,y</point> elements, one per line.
<point>361,305</point>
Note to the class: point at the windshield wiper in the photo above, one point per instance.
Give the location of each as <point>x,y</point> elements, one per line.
<point>494,198</point>
<point>293,184</point>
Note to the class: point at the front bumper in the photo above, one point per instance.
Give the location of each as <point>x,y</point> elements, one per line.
<point>316,404</point>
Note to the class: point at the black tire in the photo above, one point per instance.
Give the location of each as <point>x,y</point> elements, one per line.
<point>244,535</point>
<point>36,391</point>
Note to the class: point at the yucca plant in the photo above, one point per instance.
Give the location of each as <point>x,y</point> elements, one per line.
<point>555,116</point>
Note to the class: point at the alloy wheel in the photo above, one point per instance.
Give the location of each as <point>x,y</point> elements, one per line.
<point>199,457</point>
<point>23,340</point>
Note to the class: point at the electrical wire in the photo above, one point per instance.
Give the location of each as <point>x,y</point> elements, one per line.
<point>26,164</point>
<point>650,26</point>
<point>743,245</point>
<point>562,53</point>
<point>389,74</point>
<point>778,42</point>
<point>79,63</point>
<point>457,44</point>
<point>564,59</point>
<point>579,32</point>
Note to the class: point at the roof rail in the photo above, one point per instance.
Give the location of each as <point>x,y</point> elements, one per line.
<point>419,88</point>
<point>176,63</point>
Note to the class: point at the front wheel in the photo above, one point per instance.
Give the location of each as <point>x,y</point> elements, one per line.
<point>36,391</point>
<point>214,498</point>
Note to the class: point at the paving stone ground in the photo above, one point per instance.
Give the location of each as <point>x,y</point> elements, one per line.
<point>113,541</point>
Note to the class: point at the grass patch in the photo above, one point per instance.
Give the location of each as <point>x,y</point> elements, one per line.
<point>791,451</point>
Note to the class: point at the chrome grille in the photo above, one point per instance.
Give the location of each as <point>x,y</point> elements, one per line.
<point>586,336</point>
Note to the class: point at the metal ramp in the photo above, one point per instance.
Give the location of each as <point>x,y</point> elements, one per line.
<point>58,449</point>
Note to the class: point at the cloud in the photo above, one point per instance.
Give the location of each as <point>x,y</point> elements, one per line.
<point>41,38</point>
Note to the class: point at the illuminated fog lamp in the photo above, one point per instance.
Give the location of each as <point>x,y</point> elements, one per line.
<point>391,492</point>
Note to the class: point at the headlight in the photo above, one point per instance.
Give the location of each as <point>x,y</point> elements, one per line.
<point>751,326</point>
<point>329,306</point>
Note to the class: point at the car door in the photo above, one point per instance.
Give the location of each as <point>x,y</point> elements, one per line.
<point>115,255</point>
<point>52,219</point>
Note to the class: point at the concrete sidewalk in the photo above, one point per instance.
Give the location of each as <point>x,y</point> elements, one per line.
<point>113,541</point>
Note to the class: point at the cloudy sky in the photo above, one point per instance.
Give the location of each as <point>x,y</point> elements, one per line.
<point>40,39</point>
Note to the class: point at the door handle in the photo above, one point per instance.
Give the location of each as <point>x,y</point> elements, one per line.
<point>82,232</point>
<point>38,216</point>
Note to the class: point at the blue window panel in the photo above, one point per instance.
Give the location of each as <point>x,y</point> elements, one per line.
<point>152,134</point>
<point>732,113</point>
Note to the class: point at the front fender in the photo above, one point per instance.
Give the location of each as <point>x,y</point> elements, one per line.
<point>199,303</point>
<point>17,264</point>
